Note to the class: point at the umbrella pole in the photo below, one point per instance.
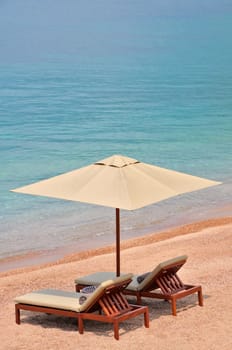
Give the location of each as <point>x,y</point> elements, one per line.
<point>117,242</point>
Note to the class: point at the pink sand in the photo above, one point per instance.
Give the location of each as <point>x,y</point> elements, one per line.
<point>209,247</point>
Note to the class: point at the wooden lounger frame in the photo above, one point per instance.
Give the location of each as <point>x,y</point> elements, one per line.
<point>171,287</point>
<point>112,307</point>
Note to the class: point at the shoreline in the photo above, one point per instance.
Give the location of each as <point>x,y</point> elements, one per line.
<point>39,248</point>
<point>125,244</point>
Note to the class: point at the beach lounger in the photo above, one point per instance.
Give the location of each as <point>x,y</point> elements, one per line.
<point>106,303</point>
<point>162,283</point>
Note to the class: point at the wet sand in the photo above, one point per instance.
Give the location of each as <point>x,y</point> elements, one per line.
<point>208,245</point>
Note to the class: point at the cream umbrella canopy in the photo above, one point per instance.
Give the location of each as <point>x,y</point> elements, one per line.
<point>119,182</point>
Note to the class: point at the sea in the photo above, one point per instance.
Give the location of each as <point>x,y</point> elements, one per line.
<point>162,95</point>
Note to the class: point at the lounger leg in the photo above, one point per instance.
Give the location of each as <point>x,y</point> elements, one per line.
<point>200,297</point>
<point>80,325</point>
<point>139,299</point>
<point>146,318</point>
<point>116,331</point>
<point>17,314</point>
<point>173,306</point>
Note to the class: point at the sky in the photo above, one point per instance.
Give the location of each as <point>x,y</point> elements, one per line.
<point>33,30</point>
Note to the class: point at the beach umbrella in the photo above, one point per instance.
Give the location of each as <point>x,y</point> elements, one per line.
<point>119,182</point>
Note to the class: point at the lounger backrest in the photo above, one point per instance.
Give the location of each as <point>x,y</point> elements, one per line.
<point>99,291</point>
<point>150,279</point>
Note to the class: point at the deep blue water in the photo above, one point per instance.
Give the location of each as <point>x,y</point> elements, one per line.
<point>164,98</point>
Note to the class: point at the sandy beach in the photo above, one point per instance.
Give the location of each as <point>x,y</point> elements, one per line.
<point>208,246</point>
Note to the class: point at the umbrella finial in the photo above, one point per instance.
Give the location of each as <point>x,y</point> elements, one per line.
<point>117,161</point>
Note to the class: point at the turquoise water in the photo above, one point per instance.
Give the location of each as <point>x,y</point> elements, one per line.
<point>164,98</point>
